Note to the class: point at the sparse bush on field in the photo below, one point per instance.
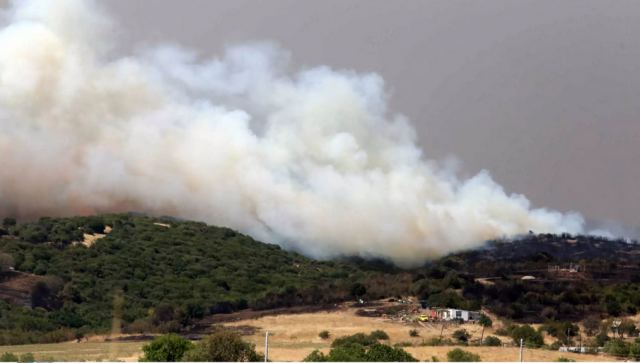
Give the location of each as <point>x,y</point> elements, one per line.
<point>8,357</point>
<point>379,335</point>
<point>414,333</point>
<point>26,358</point>
<point>459,355</point>
<point>492,341</point>
<point>355,339</point>
<point>564,359</point>
<point>435,342</point>
<point>461,336</point>
<point>324,334</point>
<point>22,358</point>
<point>403,344</point>
<point>555,345</point>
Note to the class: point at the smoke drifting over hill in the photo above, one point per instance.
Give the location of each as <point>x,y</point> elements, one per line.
<point>311,159</point>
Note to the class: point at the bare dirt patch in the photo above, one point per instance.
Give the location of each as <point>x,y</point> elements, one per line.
<point>16,287</point>
<point>89,239</point>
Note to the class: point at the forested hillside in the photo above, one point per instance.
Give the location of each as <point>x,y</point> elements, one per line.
<point>62,278</point>
<point>157,274</point>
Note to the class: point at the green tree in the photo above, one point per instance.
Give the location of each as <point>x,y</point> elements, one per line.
<point>612,305</point>
<point>385,353</point>
<point>358,290</point>
<point>6,261</point>
<point>459,355</point>
<point>166,348</point>
<point>353,353</point>
<point>530,336</point>
<point>8,222</point>
<point>222,346</point>
<point>485,322</point>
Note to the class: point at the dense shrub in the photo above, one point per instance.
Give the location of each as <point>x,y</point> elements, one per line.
<point>8,357</point>
<point>379,335</point>
<point>166,348</point>
<point>492,341</point>
<point>602,339</point>
<point>459,355</point>
<point>530,336</point>
<point>222,346</point>
<point>563,359</point>
<point>359,339</point>
<point>358,353</point>
<point>385,353</point>
<point>461,336</point>
<point>324,334</point>
<point>617,347</point>
<point>434,342</point>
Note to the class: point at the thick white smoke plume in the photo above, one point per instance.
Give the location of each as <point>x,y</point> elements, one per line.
<point>311,160</point>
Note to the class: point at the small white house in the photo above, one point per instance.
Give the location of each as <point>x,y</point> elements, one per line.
<point>457,314</point>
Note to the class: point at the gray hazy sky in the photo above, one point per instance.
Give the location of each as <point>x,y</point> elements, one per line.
<point>543,94</point>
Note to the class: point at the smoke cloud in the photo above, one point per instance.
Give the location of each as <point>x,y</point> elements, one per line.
<point>310,159</point>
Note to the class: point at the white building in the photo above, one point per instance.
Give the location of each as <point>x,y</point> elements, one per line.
<point>457,314</point>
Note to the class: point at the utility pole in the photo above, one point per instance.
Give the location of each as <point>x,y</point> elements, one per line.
<point>266,346</point>
<point>521,341</point>
<point>580,346</point>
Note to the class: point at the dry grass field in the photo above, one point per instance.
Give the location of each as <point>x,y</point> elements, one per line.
<point>84,351</point>
<point>294,336</point>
